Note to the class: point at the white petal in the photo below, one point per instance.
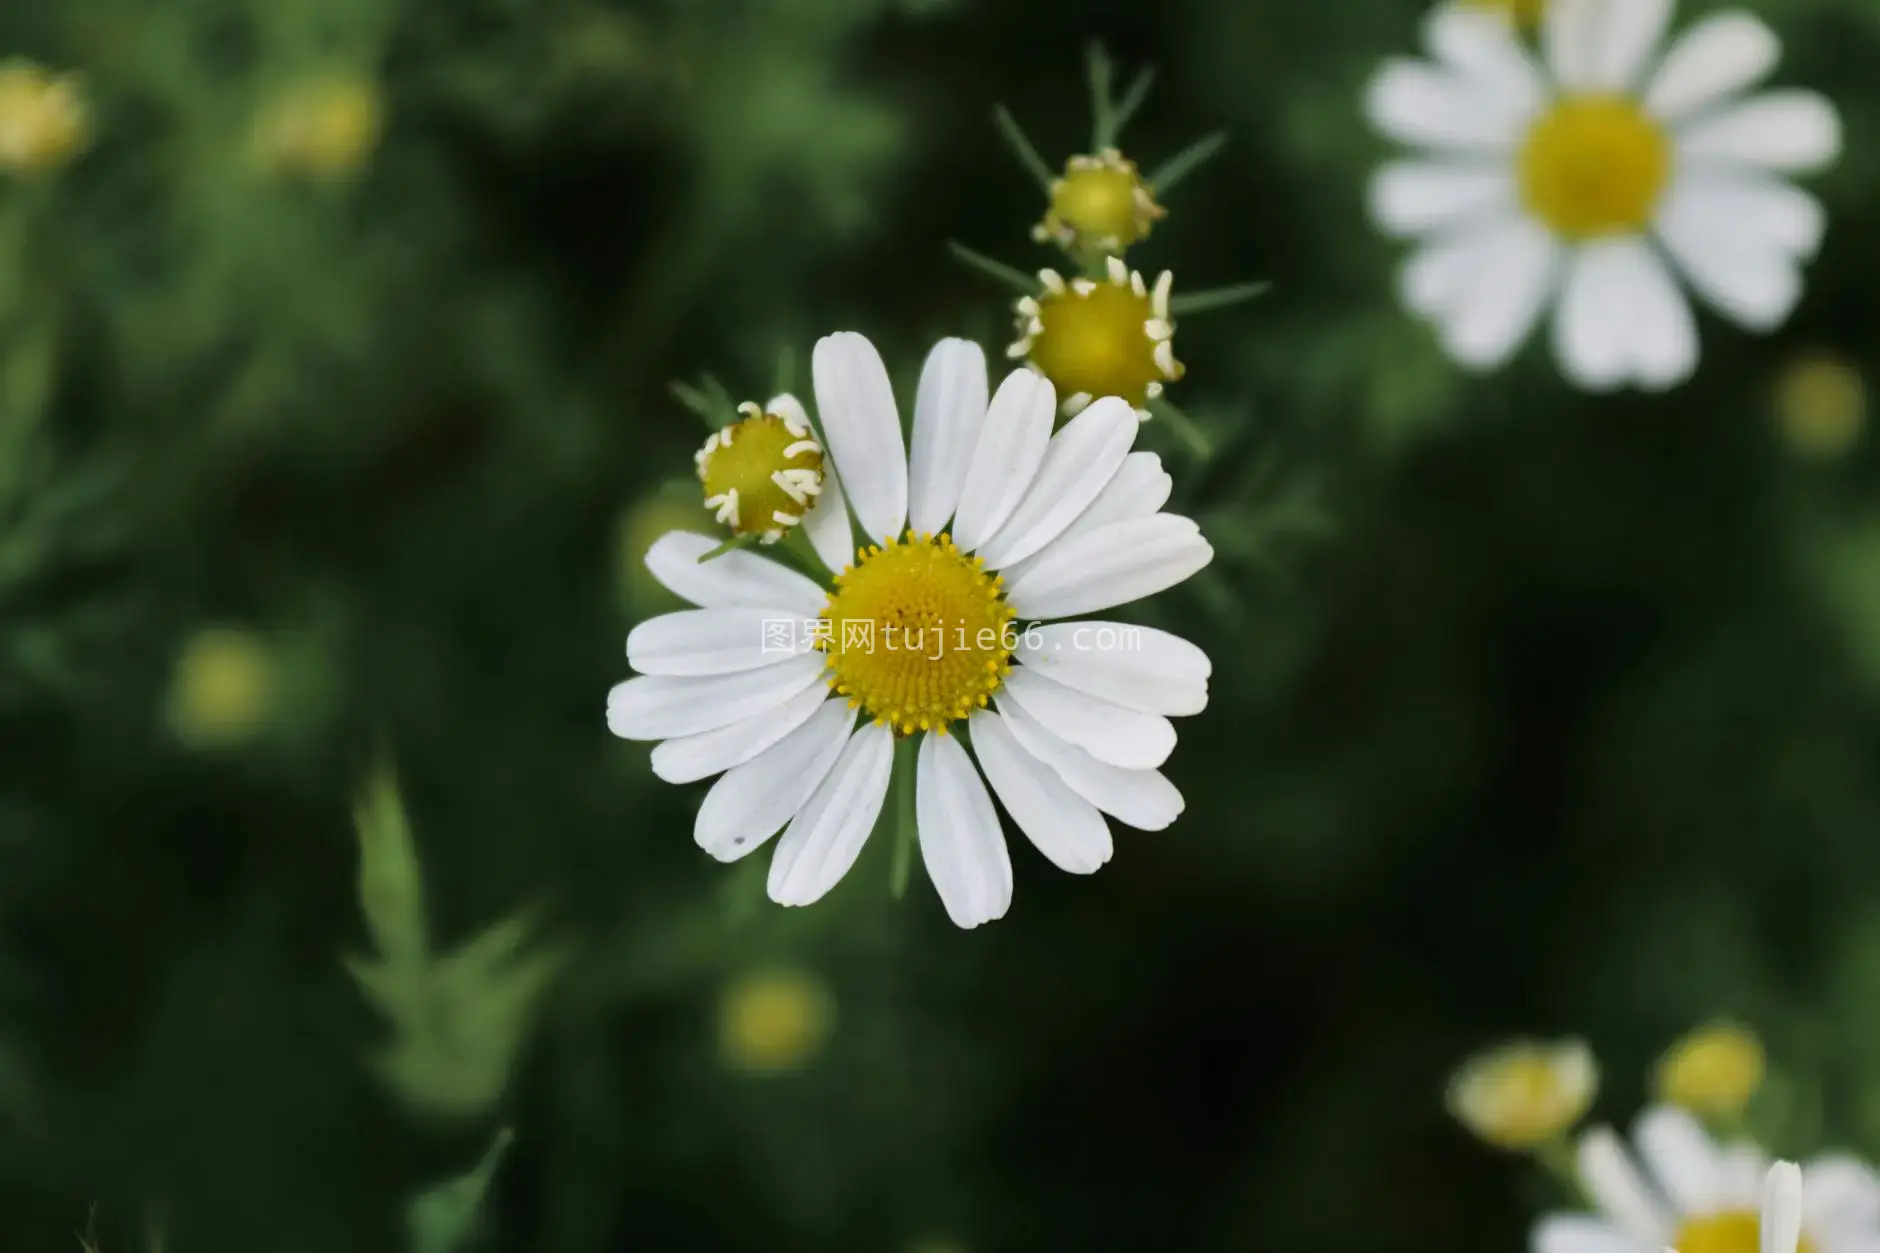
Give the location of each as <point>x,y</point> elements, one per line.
<point>1793,132</point>
<point>1749,277</point>
<point>1581,1233</point>
<point>960,841</point>
<point>716,641</point>
<point>1744,204</point>
<point>1110,565</point>
<point>1079,463</point>
<point>1416,103</point>
<point>1719,56</point>
<point>693,757</point>
<point>732,580</point>
<point>1841,1193</point>
<point>1632,32</point>
<point>1614,1183</point>
<point>1109,732</point>
<point>1011,445</point>
<point>1573,36</point>
<point>1482,47</point>
<point>1664,330</point>
<point>862,430</point>
<point>949,413</point>
<point>1413,197</point>
<point>1138,490</point>
<point>1143,799</point>
<point>1485,323</point>
<point>1063,826</point>
<point>1595,317</point>
<point>1782,1209</point>
<point>662,707</point>
<point>1742,1168</point>
<point>827,834</point>
<point>1439,275</point>
<point>754,799</point>
<point>1680,1157</point>
<point>1137,667</point>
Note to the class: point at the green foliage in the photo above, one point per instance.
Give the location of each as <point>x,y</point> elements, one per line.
<point>443,1219</point>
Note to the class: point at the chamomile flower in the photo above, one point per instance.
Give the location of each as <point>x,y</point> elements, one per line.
<point>1094,338</point>
<point>1587,182</point>
<point>1696,1196</point>
<point>1102,204</point>
<point>761,474</point>
<point>1524,1094</point>
<point>916,644</point>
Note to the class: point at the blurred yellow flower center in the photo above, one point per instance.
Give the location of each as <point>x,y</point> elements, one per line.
<point>1526,12</point>
<point>1595,165</point>
<point>762,474</point>
<point>323,129</point>
<point>1100,202</point>
<point>223,688</point>
<point>1821,404</point>
<point>43,120</point>
<point>1734,1231</point>
<point>1713,1071</point>
<point>773,1021</point>
<point>917,633</point>
<point>1094,339</point>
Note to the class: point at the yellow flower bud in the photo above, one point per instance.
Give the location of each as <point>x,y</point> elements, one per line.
<point>774,1021</point>
<point>1101,205</point>
<point>322,129</point>
<point>1713,1071</point>
<point>1821,406</point>
<point>44,122</point>
<point>1525,1093</point>
<point>223,688</point>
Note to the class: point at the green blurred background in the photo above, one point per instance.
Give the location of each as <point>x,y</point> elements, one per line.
<point>334,410</point>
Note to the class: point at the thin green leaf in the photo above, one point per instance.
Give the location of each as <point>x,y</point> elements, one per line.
<point>731,545</point>
<point>391,881</point>
<point>1137,92</point>
<point>1027,155</point>
<point>442,1218</point>
<point>1184,427</point>
<point>1216,298</point>
<point>700,403</point>
<point>1014,278</point>
<point>1186,162</point>
<point>1099,73</point>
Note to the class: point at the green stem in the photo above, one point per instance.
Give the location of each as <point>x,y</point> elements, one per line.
<point>1097,70</point>
<point>1216,298</point>
<point>1027,155</point>
<point>1557,1159</point>
<point>731,545</point>
<point>1137,92</point>
<point>906,823</point>
<point>1186,162</point>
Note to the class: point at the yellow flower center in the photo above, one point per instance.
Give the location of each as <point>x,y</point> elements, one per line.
<point>1526,12</point>
<point>1595,165</point>
<point>1714,1071</point>
<point>323,129</point>
<point>761,474</point>
<point>1094,339</point>
<point>918,633</point>
<point>1101,203</point>
<point>1522,1101</point>
<point>43,120</point>
<point>1734,1231</point>
<point>773,1021</point>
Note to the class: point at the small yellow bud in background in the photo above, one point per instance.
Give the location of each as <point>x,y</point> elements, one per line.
<point>1524,1094</point>
<point>1821,406</point>
<point>1713,1071</point>
<point>223,689</point>
<point>44,121</point>
<point>773,1021</point>
<point>643,524</point>
<point>322,129</point>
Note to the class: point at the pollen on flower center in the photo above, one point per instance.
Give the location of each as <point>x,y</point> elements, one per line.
<point>761,474</point>
<point>1733,1231</point>
<point>1094,339</point>
<point>1100,203</point>
<point>1595,165</point>
<point>917,633</point>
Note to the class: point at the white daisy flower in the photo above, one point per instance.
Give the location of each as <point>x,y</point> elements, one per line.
<point>992,522</point>
<point>1696,1196</point>
<point>1586,182</point>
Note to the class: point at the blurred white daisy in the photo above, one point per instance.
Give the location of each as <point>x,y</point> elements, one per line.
<point>991,523</point>
<point>1696,1196</point>
<point>1588,181</point>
